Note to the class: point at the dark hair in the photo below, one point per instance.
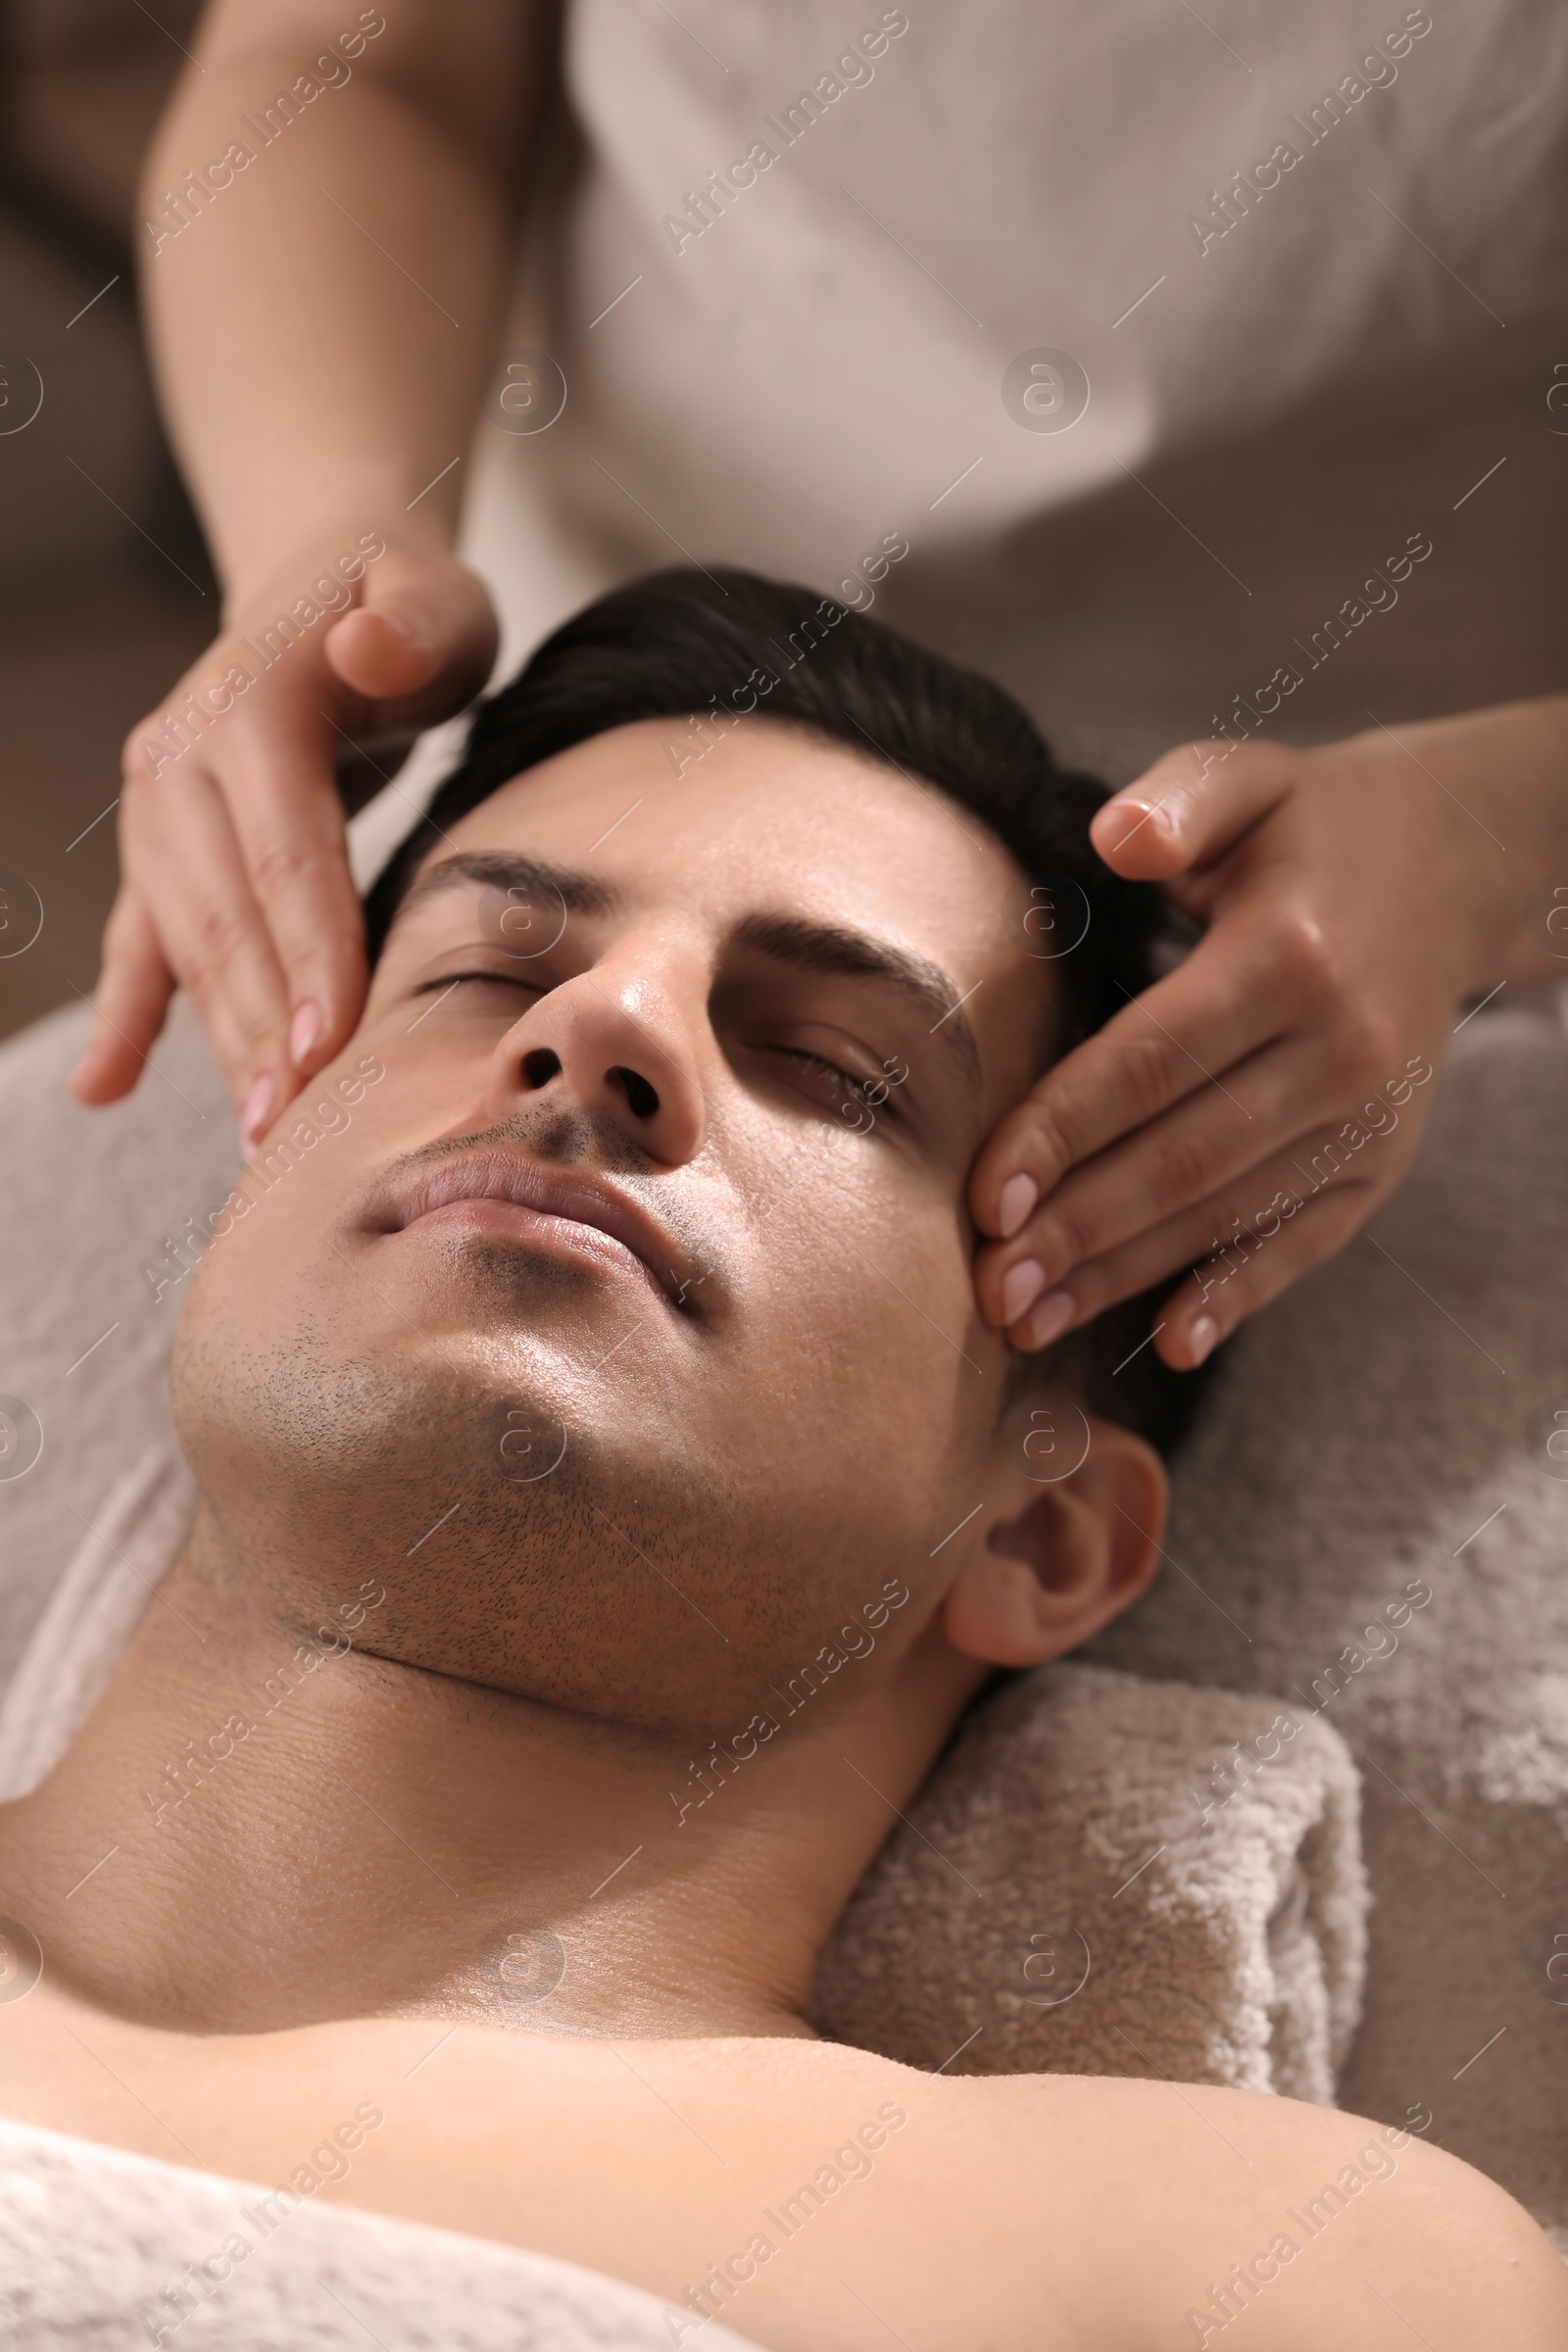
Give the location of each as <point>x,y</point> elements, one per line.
<point>711,645</point>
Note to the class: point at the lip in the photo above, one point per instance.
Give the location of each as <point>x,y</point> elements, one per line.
<point>511,1193</point>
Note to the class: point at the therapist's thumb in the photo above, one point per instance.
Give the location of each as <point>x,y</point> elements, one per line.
<point>423,637</point>
<point>1192,806</point>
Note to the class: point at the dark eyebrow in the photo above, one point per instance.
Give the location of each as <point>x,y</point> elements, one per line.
<point>579,892</point>
<point>834,948</point>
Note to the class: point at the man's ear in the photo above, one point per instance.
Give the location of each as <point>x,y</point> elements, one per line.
<point>1060,1556</point>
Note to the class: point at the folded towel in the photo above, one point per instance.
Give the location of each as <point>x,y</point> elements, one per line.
<point>1113,1876</point>
<point>102,2251</point>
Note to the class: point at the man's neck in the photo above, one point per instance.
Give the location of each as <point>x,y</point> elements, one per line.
<point>254,1831</point>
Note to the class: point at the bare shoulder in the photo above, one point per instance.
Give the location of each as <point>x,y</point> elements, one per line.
<point>815,2196</point>
<point>753,2179</point>
<point>1314,2225</point>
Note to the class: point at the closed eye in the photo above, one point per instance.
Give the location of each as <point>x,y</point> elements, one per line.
<point>868,1092</point>
<point>447,985</point>
<point>451,980</point>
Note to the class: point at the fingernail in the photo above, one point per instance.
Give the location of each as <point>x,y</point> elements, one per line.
<point>1147,812</point>
<point>1018,1196</point>
<point>252,1118</point>
<point>306,1030</point>
<point>1021,1286</point>
<point>1050,1318</point>
<point>1201,1336</point>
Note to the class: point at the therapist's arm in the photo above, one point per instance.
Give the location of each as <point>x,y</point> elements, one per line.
<point>321,326</point>
<point>1249,1112</point>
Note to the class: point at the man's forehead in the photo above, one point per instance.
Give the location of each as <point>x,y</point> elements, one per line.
<point>773,812</point>
<point>635,800</point>
<point>520,874</point>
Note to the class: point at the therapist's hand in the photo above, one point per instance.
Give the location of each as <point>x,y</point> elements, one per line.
<point>1251,1109</point>
<point>235,881</point>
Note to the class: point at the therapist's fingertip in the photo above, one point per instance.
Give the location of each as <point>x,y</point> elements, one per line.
<point>1050,1319</point>
<point>1013,1205</point>
<point>382,654</point>
<point>304,1031</point>
<point>1021,1286</point>
<point>94,1079</point>
<point>89,1065</point>
<point>105,1071</point>
<point>1157,814</point>
<point>1202,1339</point>
<point>256,1113</point>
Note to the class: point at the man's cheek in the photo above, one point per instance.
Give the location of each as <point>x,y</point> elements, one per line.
<point>286,1206</point>
<point>253,1269</point>
<point>876,1301</point>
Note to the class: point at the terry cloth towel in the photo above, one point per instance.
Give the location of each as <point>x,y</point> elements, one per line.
<point>102,2251</point>
<point>1232,1953</point>
<point>1115,1877</point>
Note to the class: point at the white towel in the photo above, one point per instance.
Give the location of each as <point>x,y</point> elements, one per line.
<point>93,2241</point>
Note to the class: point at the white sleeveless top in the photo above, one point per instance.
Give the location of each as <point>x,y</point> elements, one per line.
<point>820,283</point>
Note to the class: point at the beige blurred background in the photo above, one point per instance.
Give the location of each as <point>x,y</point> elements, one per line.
<point>105,589</point>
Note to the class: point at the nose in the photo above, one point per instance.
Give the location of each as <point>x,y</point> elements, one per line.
<point>615,1040</point>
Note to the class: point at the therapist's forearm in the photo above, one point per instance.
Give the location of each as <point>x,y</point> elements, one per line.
<point>321,328</point>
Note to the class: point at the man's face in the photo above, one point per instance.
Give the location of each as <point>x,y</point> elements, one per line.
<point>623,1327</point>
